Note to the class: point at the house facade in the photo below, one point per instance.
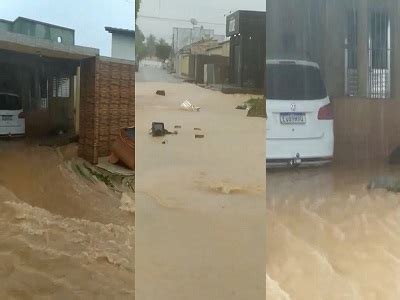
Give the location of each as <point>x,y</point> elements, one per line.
<point>354,42</point>
<point>123,43</point>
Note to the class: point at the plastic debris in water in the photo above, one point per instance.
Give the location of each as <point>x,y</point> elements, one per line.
<point>189,106</point>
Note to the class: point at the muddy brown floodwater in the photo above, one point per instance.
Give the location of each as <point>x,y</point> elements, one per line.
<point>200,202</point>
<point>328,237</point>
<point>62,237</point>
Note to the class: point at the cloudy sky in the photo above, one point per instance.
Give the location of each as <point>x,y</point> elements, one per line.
<point>157,14</point>
<point>87,17</point>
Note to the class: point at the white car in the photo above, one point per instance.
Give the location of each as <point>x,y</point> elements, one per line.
<point>299,115</point>
<point>12,119</point>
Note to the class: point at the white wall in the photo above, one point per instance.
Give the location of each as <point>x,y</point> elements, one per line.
<point>123,46</point>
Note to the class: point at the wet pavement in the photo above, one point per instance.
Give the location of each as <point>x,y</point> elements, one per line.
<point>329,237</point>
<point>62,237</point>
<point>200,202</point>
<point>151,72</point>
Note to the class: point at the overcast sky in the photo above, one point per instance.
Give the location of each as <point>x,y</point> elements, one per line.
<point>211,11</point>
<point>87,17</point>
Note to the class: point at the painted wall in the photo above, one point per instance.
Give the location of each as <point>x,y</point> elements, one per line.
<point>365,129</point>
<point>44,31</point>
<point>184,65</point>
<point>40,30</point>
<point>5,25</point>
<point>123,46</point>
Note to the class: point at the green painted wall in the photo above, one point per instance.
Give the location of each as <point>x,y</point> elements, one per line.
<point>5,25</point>
<point>39,30</point>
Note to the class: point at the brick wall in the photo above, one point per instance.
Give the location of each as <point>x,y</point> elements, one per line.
<point>107,104</point>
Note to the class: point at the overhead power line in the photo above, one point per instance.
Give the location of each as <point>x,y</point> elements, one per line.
<point>178,20</point>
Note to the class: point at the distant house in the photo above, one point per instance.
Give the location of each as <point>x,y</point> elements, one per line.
<point>204,62</point>
<point>221,49</point>
<point>123,43</point>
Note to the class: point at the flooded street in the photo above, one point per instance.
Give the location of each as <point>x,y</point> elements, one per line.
<point>200,201</point>
<point>63,237</point>
<point>329,237</point>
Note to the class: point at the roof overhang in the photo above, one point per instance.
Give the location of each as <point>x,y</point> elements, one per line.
<point>120,31</point>
<point>30,45</point>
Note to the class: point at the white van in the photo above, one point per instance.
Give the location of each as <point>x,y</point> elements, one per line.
<point>299,115</point>
<point>12,119</point>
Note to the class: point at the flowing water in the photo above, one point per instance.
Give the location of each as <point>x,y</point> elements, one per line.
<point>63,237</point>
<point>329,237</point>
<point>200,201</point>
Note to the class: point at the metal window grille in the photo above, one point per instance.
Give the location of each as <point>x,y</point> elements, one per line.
<point>379,51</point>
<point>61,87</point>
<point>351,68</point>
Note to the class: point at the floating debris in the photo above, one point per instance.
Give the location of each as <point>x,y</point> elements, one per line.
<point>242,107</point>
<point>385,182</point>
<point>158,129</point>
<point>189,106</point>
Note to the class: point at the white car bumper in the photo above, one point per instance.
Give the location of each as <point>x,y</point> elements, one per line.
<point>299,152</point>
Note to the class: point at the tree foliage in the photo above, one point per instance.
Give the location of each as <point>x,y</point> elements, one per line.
<point>163,50</point>
<point>151,45</point>
<point>141,51</point>
<point>137,7</point>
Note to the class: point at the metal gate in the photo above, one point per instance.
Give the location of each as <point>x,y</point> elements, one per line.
<point>379,55</point>
<point>351,70</point>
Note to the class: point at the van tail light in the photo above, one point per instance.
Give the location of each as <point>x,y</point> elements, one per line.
<point>21,115</point>
<point>326,112</point>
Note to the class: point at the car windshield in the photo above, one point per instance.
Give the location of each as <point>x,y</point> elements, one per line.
<point>294,82</point>
<point>10,102</point>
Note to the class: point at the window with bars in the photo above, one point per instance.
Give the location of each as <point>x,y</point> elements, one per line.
<point>379,35</point>
<point>61,87</point>
<point>44,101</point>
<point>352,20</point>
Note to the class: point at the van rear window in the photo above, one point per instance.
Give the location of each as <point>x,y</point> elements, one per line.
<point>294,82</point>
<point>9,102</point>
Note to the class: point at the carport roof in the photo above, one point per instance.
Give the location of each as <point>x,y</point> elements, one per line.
<point>31,45</point>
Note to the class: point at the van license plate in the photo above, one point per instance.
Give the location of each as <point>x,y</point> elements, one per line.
<point>7,118</point>
<point>293,118</point>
